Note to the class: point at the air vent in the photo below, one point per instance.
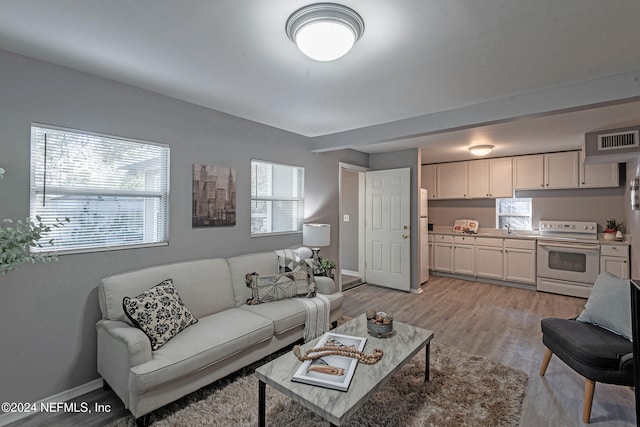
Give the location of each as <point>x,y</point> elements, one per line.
<point>618,140</point>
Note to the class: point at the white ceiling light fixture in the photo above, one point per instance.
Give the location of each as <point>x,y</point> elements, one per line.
<point>481,150</point>
<point>324,31</point>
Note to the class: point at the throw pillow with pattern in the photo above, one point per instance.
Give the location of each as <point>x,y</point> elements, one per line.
<point>159,313</point>
<point>289,260</point>
<point>275,287</point>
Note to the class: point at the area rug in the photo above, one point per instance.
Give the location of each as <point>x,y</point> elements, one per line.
<point>464,390</point>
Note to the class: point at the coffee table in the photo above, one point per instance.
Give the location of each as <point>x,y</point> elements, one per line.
<point>333,405</point>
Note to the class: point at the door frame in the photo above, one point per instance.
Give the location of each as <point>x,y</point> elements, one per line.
<point>361,217</point>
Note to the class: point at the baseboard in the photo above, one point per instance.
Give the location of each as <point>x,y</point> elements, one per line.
<point>8,418</point>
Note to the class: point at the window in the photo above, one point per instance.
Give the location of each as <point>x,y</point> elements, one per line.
<point>114,191</point>
<point>277,198</point>
<point>516,212</point>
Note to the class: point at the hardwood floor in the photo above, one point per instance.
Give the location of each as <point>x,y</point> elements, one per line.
<point>503,324</point>
<point>499,323</point>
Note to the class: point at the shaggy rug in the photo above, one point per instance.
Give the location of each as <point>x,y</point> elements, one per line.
<point>464,390</point>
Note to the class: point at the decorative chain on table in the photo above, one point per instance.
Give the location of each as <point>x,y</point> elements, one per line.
<point>317,353</point>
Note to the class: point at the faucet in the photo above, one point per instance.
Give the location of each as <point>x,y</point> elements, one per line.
<point>508,226</point>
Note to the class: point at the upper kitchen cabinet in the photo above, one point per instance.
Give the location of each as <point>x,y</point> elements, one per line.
<point>599,175</point>
<point>429,180</point>
<point>552,170</point>
<point>490,178</point>
<point>561,169</point>
<point>451,180</point>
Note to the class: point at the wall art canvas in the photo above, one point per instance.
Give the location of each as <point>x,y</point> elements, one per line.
<point>214,196</point>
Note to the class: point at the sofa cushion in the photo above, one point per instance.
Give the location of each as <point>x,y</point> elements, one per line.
<point>609,305</point>
<point>204,286</point>
<point>208,342</point>
<point>262,263</point>
<point>285,314</point>
<point>584,344</point>
<point>159,313</point>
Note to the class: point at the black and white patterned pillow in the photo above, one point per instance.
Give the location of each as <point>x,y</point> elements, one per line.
<point>159,313</point>
<point>289,260</point>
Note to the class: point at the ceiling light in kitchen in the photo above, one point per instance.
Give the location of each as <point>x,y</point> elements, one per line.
<point>481,150</point>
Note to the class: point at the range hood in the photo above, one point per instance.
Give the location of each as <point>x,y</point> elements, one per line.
<point>611,146</point>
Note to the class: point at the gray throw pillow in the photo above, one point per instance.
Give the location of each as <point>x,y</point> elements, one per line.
<point>159,313</point>
<point>275,287</point>
<point>609,305</point>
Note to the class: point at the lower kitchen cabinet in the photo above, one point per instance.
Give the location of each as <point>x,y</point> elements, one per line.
<point>443,253</point>
<point>464,255</point>
<point>430,238</point>
<point>614,259</point>
<point>489,258</point>
<point>520,261</point>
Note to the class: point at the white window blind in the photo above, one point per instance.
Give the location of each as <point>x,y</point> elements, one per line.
<point>114,191</point>
<point>277,198</point>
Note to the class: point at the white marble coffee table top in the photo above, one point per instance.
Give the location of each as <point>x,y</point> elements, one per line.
<point>333,405</point>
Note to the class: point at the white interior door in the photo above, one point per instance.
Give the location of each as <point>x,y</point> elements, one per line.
<point>387,231</point>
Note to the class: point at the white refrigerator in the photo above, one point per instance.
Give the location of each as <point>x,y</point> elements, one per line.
<point>424,236</point>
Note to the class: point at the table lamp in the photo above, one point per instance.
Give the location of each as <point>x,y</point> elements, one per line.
<point>316,236</point>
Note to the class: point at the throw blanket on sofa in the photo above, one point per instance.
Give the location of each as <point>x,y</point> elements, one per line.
<point>318,319</point>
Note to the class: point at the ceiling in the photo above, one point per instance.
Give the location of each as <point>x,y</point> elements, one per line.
<point>421,60</point>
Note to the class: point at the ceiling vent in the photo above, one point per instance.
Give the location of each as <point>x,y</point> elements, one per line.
<point>612,146</point>
<point>618,140</point>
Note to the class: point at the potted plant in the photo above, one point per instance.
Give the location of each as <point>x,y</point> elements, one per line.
<point>611,228</point>
<point>328,266</point>
<point>17,237</point>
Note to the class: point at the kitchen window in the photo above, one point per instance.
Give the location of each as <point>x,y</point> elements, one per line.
<point>277,198</point>
<point>515,212</point>
<point>114,191</point>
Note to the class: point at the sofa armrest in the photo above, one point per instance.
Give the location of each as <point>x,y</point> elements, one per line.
<point>325,285</point>
<point>130,341</point>
<point>626,362</point>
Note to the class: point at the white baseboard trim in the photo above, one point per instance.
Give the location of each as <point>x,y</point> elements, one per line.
<point>10,417</point>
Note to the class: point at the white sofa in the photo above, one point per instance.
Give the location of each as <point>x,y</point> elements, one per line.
<point>229,333</point>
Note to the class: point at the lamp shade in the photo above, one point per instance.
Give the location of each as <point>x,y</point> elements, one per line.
<point>316,235</point>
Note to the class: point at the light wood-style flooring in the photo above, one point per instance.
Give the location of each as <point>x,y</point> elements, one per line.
<point>499,323</point>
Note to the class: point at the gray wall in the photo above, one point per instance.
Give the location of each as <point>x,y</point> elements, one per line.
<point>402,159</point>
<point>349,230</point>
<point>48,312</point>
<point>577,205</point>
<point>632,219</point>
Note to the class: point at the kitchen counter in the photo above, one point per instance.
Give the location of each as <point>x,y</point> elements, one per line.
<point>520,234</point>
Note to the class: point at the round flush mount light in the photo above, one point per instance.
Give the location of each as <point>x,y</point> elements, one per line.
<point>481,150</point>
<point>324,31</point>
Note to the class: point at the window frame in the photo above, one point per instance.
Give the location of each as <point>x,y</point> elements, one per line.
<point>252,199</point>
<point>529,215</point>
<point>162,195</point>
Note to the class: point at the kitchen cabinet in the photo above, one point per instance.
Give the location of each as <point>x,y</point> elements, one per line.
<point>490,178</point>
<point>600,175</point>
<point>546,171</point>
<point>520,261</point>
<point>528,172</point>
<point>464,255</point>
<point>561,169</point>
<point>614,259</point>
<point>489,258</point>
<point>443,253</point>
<point>430,240</point>
<point>428,178</point>
<point>451,180</point>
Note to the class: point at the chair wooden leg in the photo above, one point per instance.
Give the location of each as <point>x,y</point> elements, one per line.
<point>589,388</point>
<point>545,361</point>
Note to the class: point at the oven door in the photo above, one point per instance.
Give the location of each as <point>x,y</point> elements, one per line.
<point>571,261</point>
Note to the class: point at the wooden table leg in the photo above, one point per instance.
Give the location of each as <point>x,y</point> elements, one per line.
<point>261,404</point>
<point>426,364</point>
